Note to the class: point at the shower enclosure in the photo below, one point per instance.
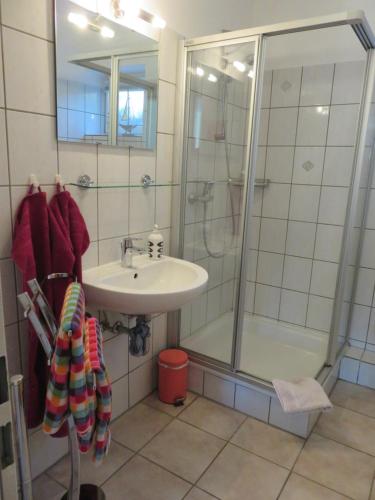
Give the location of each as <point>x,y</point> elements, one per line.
<point>275,167</point>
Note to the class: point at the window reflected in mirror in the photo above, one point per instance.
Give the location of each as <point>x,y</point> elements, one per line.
<point>106,80</point>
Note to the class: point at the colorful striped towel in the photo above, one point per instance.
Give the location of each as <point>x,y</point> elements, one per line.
<point>67,387</point>
<point>103,389</point>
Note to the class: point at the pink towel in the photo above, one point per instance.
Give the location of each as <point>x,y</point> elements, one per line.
<point>38,246</point>
<point>70,219</point>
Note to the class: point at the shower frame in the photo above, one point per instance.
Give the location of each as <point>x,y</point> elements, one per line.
<point>258,35</point>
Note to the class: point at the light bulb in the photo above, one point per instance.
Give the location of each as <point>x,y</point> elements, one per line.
<point>78,19</point>
<point>107,32</point>
<point>199,71</point>
<point>212,78</point>
<point>131,8</point>
<point>240,66</point>
<point>251,74</point>
<point>158,22</point>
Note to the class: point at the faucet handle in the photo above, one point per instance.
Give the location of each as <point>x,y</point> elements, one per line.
<point>126,243</point>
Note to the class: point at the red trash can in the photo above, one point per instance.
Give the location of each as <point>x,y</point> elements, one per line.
<point>173,372</point>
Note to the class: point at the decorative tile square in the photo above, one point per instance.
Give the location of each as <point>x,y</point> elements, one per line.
<point>213,418</point>
<point>183,449</point>
<point>308,166</point>
<point>285,86</point>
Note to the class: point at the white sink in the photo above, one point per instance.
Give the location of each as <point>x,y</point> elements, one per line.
<point>148,287</point>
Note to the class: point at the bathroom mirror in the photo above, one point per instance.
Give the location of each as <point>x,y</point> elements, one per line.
<point>106,77</point>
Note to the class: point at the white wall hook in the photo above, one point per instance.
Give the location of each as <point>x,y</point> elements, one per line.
<point>58,179</point>
<point>34,181</point>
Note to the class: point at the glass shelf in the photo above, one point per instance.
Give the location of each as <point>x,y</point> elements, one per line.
<point>114,186</point>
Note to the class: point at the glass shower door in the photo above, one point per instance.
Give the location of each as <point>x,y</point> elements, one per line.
<point>306,157</point>
<point>218,107</point>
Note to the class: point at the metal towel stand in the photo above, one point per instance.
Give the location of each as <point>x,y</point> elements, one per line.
<point>75,491</point>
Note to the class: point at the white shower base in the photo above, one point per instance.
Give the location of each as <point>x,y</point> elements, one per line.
<point>270,349</point>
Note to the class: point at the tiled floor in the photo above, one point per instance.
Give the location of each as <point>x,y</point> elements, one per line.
<point>205,451</point>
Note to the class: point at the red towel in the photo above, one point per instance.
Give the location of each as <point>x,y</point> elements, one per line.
<point>38,246</point>
<point>70,219</point>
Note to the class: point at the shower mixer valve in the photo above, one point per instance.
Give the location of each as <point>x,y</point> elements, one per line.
<point>206,196</point>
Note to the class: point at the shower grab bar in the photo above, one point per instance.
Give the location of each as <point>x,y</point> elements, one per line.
<point>262,183</point>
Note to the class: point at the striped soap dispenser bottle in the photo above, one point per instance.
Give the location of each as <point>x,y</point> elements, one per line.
<point>155,243</point>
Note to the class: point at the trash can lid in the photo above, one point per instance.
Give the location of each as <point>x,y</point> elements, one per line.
<point>173,357</point>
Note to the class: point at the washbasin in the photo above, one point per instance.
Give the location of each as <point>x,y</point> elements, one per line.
<point>148,287</point>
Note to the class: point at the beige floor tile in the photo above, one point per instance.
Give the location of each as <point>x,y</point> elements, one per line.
<point>298,488</point>
<point>212,417</point>
<point>183,449</point>
<point>354,397</point>
<point>45,488</point>
<point>274,444</point>
<point>348,427</point>
<point>372,496</point>
<point>141,480</point>
<point>237,474</point>
<point>116,458</point>
<point>336,466</point>
<point>197,494</point>
<point>154,401</point>
<point>138,425</point>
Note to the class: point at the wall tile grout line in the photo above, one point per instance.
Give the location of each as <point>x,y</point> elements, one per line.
<point>12,215</point>
<point>290,194</point>
<point>262,199</point>
<point>28,33</point>
<point>320,192</point>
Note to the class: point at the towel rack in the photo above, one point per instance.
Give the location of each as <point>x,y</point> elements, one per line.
<point>75,491</point>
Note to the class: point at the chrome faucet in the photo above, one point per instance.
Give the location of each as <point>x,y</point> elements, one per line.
<point>128,250</point>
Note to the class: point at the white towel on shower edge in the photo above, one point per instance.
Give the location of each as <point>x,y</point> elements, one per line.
<point>302,395</point>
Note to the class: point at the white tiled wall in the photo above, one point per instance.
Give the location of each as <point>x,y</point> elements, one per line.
<point>306,148</point>
<point>362,325</point>
<point>81,110</point>
<point>28,144</point>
